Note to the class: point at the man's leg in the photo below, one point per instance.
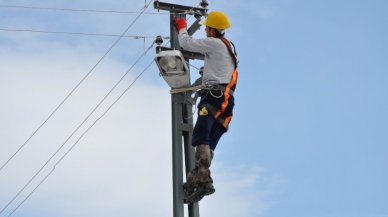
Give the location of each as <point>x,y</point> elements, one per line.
<point>202,183</point>
<point>200,175</point>
<point>215,134</point>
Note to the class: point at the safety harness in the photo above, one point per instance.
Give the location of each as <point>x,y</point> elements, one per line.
<point>226,90</point>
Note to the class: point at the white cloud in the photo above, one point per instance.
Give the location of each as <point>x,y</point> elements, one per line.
<point>241,191</point>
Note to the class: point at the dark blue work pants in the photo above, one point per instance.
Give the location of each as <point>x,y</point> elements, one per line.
<point>207,129</point>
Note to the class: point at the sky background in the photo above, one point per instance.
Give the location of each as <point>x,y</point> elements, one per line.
<point>308,139</point>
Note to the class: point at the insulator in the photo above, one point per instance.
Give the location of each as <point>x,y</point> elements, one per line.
<point>201,70</point>
<point>159,40</point>
<point>204,4</point>
<point>197,14</point>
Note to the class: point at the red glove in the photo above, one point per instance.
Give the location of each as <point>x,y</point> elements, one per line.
<point>180,23</point>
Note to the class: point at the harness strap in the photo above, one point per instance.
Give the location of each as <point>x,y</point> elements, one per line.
<point>229,89</point>
<point>221,88</point>
<point>232,53</point>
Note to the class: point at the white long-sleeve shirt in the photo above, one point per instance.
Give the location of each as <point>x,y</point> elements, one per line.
<point>219,65</point>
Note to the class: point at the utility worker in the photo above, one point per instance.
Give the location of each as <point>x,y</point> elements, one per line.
<point>217,102</point>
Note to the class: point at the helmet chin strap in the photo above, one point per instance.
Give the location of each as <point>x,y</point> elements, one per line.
<point>221,31</point>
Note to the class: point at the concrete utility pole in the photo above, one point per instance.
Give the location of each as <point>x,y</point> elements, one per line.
<point>182,121</point>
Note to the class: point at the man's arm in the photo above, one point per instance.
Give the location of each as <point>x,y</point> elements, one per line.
<point>189,43</point>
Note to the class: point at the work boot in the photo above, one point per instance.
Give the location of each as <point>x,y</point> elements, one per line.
<point>199,181</point>
<point>189,186</point>
<point>200,175</point>
<point>209,188</point>
<point>202,183</point>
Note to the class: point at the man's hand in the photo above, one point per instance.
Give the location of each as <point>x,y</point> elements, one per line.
<point>180,23</point>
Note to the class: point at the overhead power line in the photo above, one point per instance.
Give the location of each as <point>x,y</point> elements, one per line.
<point>75,10</point>
<point>78,33</point>
<point>83,134</point>
<point>75,88</point>
<point>72,134</point>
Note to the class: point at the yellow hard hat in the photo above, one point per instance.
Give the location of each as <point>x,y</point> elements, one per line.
<point>217,20</point>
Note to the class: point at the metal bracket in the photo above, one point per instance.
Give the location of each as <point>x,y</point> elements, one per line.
<point>194,27</point>
<point>174,8</point>
<point>186,127</point>
<point>186,54</point>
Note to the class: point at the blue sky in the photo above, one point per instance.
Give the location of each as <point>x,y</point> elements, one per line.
<point>309,136</point>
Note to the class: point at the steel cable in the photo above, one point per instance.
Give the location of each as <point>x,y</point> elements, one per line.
<point>75,10</point>
<point>52,156</point>
<point>75,88</point>
<point>83,134</point>
<point>77,33</point>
